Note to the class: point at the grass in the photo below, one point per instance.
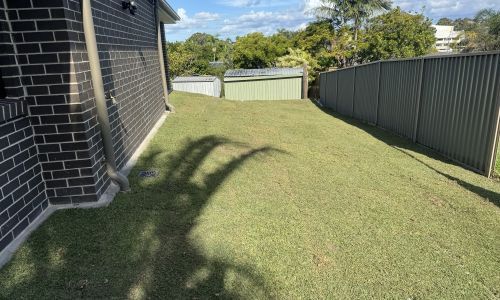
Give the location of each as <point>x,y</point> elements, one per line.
<point>497,163</point>
<point>273,200</point>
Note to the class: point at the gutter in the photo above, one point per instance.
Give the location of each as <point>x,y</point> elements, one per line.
<point>170,11</point>
<point>100,97</point>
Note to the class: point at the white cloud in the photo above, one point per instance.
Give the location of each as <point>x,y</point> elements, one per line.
<point>240,3</point>
<point>198,22</point>
<point>309,5</point>
<point>447,8</point>
<point>267,22</point>
<point>256,3</point>
<point>206,16</point>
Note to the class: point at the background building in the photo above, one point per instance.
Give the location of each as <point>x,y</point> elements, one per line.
<point>447,39</point>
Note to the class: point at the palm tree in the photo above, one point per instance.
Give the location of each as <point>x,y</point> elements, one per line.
<point>340,12</point>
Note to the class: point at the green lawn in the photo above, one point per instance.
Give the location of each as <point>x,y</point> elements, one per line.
<point>498,162</point>
<point>273,200</point>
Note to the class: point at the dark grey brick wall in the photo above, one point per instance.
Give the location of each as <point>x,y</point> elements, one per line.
<point>50,144</point>
<point>47,42</point>
<point>22,190</point>
<point>130,66</point>
<point>55,72</point>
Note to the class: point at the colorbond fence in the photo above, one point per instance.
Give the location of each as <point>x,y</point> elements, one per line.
<point>447,103</point>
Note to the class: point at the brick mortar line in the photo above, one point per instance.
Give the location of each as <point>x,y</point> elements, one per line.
<point>5,196</point>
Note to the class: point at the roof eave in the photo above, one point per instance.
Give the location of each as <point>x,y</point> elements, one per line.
<point>167,14</point>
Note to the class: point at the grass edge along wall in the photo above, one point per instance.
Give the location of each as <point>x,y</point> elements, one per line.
<point>448,103</point>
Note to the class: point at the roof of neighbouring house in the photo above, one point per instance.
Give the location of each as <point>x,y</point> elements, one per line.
<point>194,79</point>
<point>263,72</point>
<point>445,31</point>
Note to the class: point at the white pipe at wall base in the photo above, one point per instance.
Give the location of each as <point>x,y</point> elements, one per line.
<point>98,86</point>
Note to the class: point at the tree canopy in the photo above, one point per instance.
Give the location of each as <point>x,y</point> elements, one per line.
<point>298,58</point>
<point>195,54</point>
<point>482,33</point>
<point>398,34</point>
<point>341,12</point>
<point>254,51</point>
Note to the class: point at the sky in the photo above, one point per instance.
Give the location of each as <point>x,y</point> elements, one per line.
<point>231,18</point>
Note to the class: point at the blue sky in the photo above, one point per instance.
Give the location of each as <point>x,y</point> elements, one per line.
<point>231,18</point>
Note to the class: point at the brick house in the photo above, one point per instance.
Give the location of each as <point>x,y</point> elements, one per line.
<point>51,132</point>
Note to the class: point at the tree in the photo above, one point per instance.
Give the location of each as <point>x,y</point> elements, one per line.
<point>338,12</point>
<point>297,58</point>
<point>194,55</point>
<point>181,60</point>
<point>254,51</point>
<point>489,19</point>
<point>315,37</point>
<point>345,50</point>
<point>484,35</point>
<point>445,21</point>
<point>398,34</point>
<point>341,12</point>
<point>283,40</point>
<point>465,24</point>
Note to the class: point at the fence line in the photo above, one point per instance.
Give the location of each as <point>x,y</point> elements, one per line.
<point>447,103</point>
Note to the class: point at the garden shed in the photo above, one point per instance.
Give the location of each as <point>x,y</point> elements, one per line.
<point>206,85</point>
<point>264,84</point>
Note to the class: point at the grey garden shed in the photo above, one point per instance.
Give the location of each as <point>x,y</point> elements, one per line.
<point>206,85</point>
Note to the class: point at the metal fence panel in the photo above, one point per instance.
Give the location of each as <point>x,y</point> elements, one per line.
<point>459,107</point>
<point>399,86</point>
<point>448,103</point>
<point>322,88</point>
<point>345,92</point>
<point>331,90</point>
<point>366,91</point>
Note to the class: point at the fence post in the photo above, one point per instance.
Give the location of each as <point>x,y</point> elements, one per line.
<point>419,98</point>
<point>378,93</point>
<point>305,82</point>
<point>494,145</point>
<point>353,91</point>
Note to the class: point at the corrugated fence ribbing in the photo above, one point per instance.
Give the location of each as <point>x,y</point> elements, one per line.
<point>447,103</point>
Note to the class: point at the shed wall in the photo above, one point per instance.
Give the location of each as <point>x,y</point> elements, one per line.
<point>212,88</point>
<point>270,89</point>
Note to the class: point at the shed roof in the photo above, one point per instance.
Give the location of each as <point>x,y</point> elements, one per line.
<point>194,79</point>
<point>264,72</point>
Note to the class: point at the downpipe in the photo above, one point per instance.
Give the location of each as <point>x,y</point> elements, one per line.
<point>100,97</point>
<point>169,106</point>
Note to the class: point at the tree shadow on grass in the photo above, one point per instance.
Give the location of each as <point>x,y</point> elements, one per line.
<point>401,144</point>
<point>142,246</point>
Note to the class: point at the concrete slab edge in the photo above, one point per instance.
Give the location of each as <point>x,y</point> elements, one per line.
<point>104,201</point>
